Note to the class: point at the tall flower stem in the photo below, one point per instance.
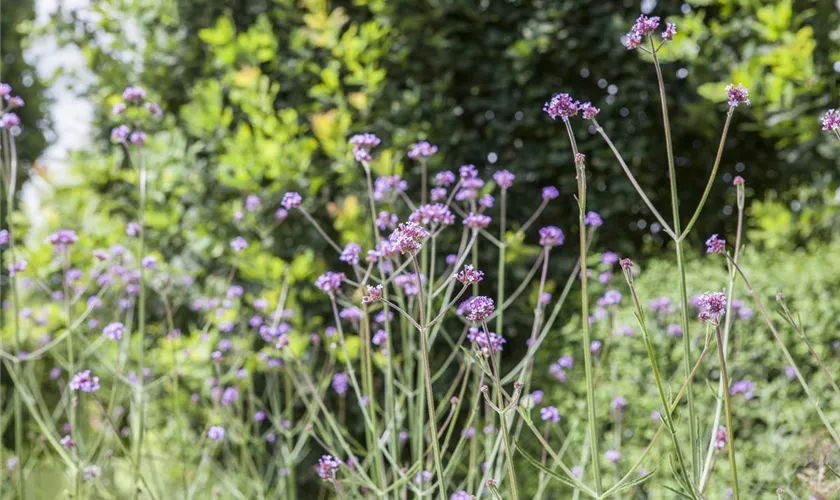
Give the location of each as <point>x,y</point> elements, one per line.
<point>11,163</point>
<point>141,326</point>
<point>727,328</point>
<point>584,308</point>
<point>503,423</point>
<point>427,380</point>
<point>663,398</point>
<point>500,283</point>
<point>724,377</point>
<point>672,174</point>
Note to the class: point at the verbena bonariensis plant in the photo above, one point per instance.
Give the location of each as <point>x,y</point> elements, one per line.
<point>388,419</point>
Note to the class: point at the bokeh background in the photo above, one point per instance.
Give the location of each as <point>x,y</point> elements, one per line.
<point>260,97</point>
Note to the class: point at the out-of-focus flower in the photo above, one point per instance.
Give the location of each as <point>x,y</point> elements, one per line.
<point>421,149</point>
<point>737,95</point>
<point>83,381</point>
<point>551,236</point>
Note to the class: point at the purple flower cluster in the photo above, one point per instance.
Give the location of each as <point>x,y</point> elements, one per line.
<point>421,149</point>
<point>593,219</point>
<point>831,120</point>
<point>550,414</point>
<point>477,221</point>
<point>562,105</point>
<point>744,387</point>
<point>329,282</point>
<point>291,200</point>
<point>408,238</point>
<point>83,381</point>
<point>340,383</point>
<point>62,239</point>
<point>114,331</point>
<point>721,437</point>
<point>477,309</point>
<point>504,179</point>
<point>712,306</point>
<point>715,245</point>
<point>479,338</point>
<point>362,144</point>
<point>351,253</point>
<point>216,433</point>
<point>469,275</point>
<point>737,95</point>
<point>374,294</point>
<point>551,236</point>
<point>436,213</point>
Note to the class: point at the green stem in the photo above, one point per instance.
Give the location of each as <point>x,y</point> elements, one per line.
<point>584,303</point>
<point>500,284</point>
<point>672,174</point>
<point>140,397</point>
<point>427,380</point>
<point>724,377</point>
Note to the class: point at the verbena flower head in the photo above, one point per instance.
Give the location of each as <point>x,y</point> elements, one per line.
<point>83,381</point>
<point>632,40</point>
<point>216,433</point>
<point>593,219</point>
<point>328,466</point>
<point>721,437</point>
<point>9,120</point>
<point>238,244</point>
<point>138,138</point>
<point>114,331</point>
<point>291,200</point>
<point>551,236</point>
<point>477,221</point>
<point>351,253</point>
<point>480,339</point>
<point>675,330</point>
<point>612,456</point>
<point>744,387</point>
<point>588,111</point>
<point>120,134</point>
<point>670,31</point>
<point>14,101</point>
<point>5,89</point>
<point>738,181</point>
<point>436,213</point>
<point>469,275</point>
<point>408,238</point>
<point>365,141</point>
<point>504,179</point>
<point>478,308</point>
<point>63,238</point>
<point>486,201</point>
<point>712,306</point>
<point>646,25</point>
<point>134,94</point>
<point>421,149</point>
<point>610,298</point>
<point>831,120</point>
<point>329,282</point>
<point>550,414</point>
<point>715,245</point>
<point>550,193</point>
<point>737,95</point>
<point>460,495</point>
<point>91,473</point>
<point>374,294</point>
<point>340,383</point>
<point>561,105</point>
<point>445,178</point>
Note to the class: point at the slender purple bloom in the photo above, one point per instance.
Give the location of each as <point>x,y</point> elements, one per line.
<point>83,381</point>
<point>478,308</point>
<point>715,245</point>
<point>550,414</point>
<point>421,149</point>
<point>551,236</point>
<point>561,105</point>
<point>504,179</point>
<point>216,433</point>
<point>550,193</point>
<point>114,331</point>
<point>737,95</point>
<point>831,120</point>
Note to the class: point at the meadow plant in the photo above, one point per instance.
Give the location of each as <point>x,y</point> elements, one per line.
<point>386,398</point>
